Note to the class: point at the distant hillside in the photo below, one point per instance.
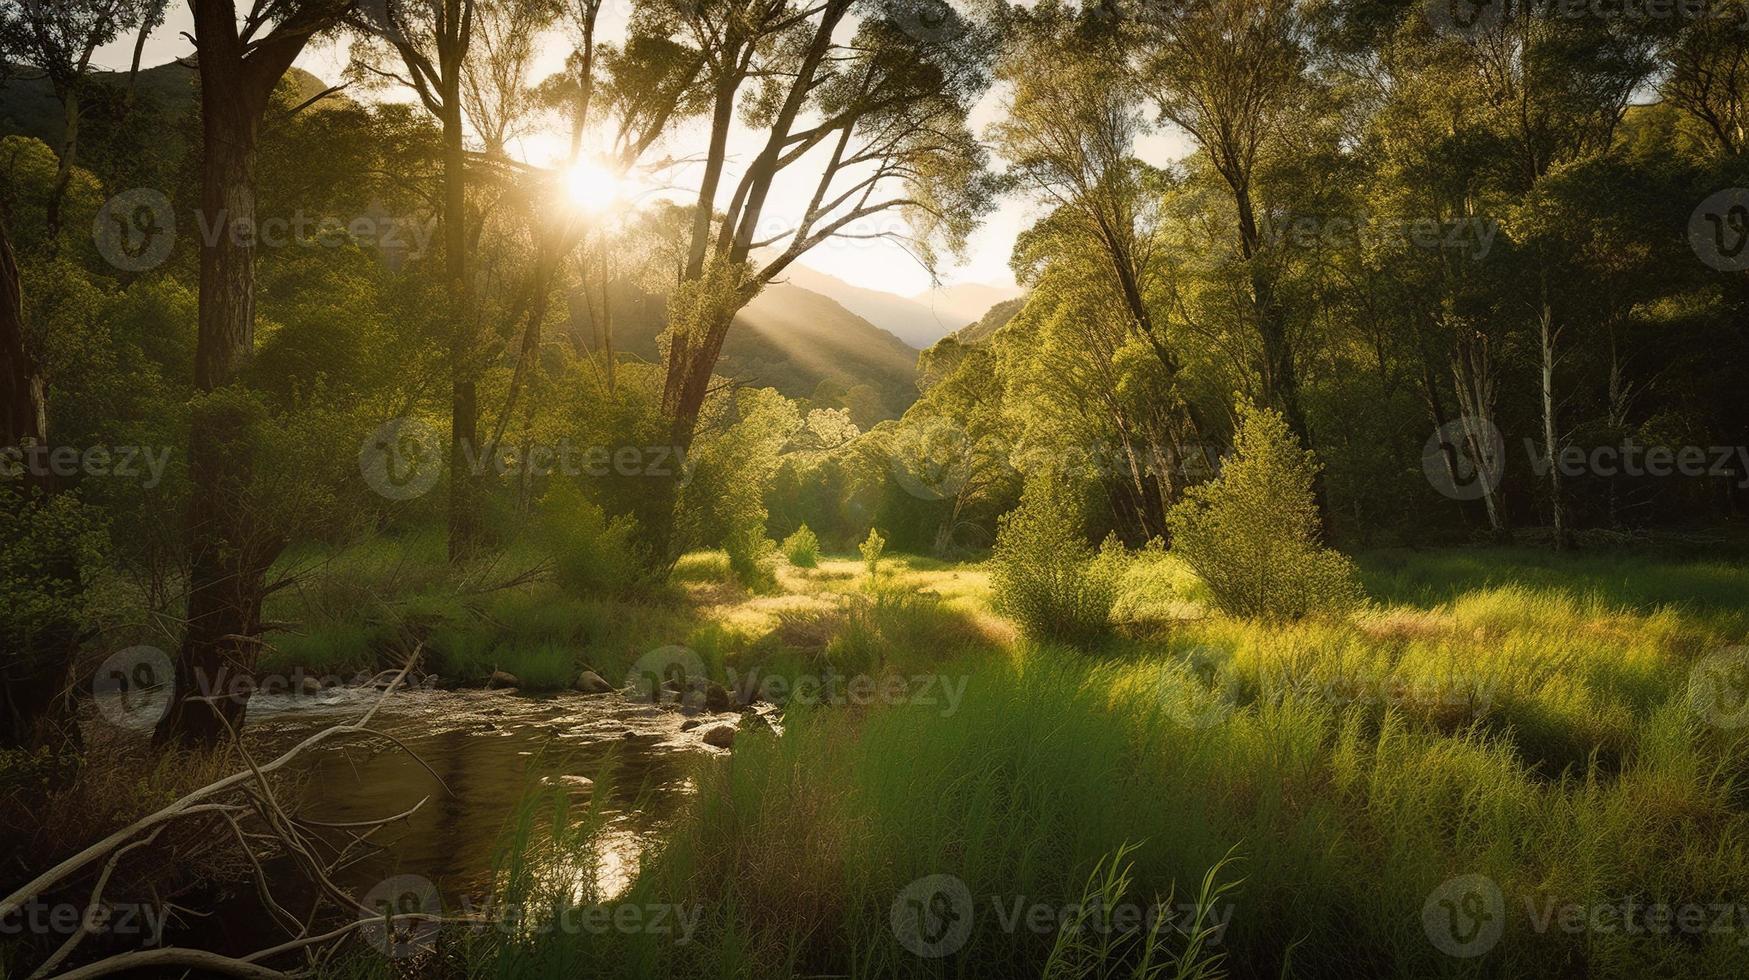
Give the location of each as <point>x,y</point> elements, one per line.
<point>965,302</point>
<point>28,106</point>
<point>906,319</point>
<point>994,319</point>
<point>791,339</point>
<point>918,320</point>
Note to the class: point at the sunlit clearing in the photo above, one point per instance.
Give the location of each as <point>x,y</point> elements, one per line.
<point>594,188</point>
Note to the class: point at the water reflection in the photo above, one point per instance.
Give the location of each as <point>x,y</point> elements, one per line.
<point>490,749</point>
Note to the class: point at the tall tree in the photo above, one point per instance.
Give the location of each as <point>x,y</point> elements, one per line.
<point>886,106</point>
<point>34,707</point>
<point>431,43</point>
<point>241,60</point>
<point>1556,88</point>
<point>56,39</point>
<point>1069,127</point>
<point>1230,73</point>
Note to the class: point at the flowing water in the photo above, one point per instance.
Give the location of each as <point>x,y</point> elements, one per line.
<point>489,750</point>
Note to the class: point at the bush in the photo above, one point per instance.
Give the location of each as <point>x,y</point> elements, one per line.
<point>1252,532</point>
<point>752,558</point>
<point>802,548</point>
<point>1046,576</point>
<point>871,549</point>
<point>591,554</point>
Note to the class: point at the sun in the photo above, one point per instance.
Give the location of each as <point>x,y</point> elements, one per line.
<point>594,188</point>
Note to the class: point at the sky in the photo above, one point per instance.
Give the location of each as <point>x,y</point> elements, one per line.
<point>877,264</point>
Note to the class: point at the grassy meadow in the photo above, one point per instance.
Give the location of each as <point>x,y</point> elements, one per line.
<point>1561,726</point>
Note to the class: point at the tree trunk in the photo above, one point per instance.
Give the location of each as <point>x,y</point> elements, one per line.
<point>63,169</point>
<point>1436,411</point>
<point>1281,385</point>
<point>229,556</point>
<point>607,335</point>
<point>1551,451</point>
<point>35,710</point>
<point>464,526</point>
<point>23,412</point>
<point>1472,371</point>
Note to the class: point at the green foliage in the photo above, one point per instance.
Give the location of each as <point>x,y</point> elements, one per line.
<point>325,648</point>
<point>802,548</point>
<point>1252,533</point>
<point>1046,576</point>
<point>1095,941</point>
<point>871,549</point>
<point>50,545</point>
<point>752,558</point>
<point>592,554</point>
<point>730,469</point>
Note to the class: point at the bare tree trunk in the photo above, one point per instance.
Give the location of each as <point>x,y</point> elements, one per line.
<point>607,335</point>
<point>229,556</point>
<point>64,167</point>
<point>23,412</point>
<point>1551,448</point>
<point>1472,370</point>
<point>1436,411</point>
<point>464,528</point>
<point>229,552</point>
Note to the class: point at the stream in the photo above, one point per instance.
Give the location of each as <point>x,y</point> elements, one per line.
<point>491,748</point>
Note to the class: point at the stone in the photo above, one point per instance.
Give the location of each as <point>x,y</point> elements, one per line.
<point>716,698</point>
<point>589,682</point>
<point>721,736</point>
<point>757,721</point>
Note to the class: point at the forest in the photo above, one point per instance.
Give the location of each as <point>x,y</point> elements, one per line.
<point>874,488</point>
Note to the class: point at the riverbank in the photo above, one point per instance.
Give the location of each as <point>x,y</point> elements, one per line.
<point>1514,765</point>
<point>1507,763</point>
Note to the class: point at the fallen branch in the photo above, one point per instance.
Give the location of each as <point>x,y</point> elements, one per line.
<point>300,839</point>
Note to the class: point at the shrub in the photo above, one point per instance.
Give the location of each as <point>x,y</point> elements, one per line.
<point>1252,532</point>
<point>871,549</point>
<point>1046,576</point>
<point>591,553</point>
<point>802,548</point>
<point>752,558</point>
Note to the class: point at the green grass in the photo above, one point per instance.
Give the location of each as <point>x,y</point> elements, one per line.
<point>1710,589</point>
<point>366,606</point>
<point>1494,712</point>
<point>323,649</point>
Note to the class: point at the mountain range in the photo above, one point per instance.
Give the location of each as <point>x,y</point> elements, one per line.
<point>804,344</point>
<point>918,320</point>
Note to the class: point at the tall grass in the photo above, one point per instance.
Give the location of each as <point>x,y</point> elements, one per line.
<point>1307,788</point>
